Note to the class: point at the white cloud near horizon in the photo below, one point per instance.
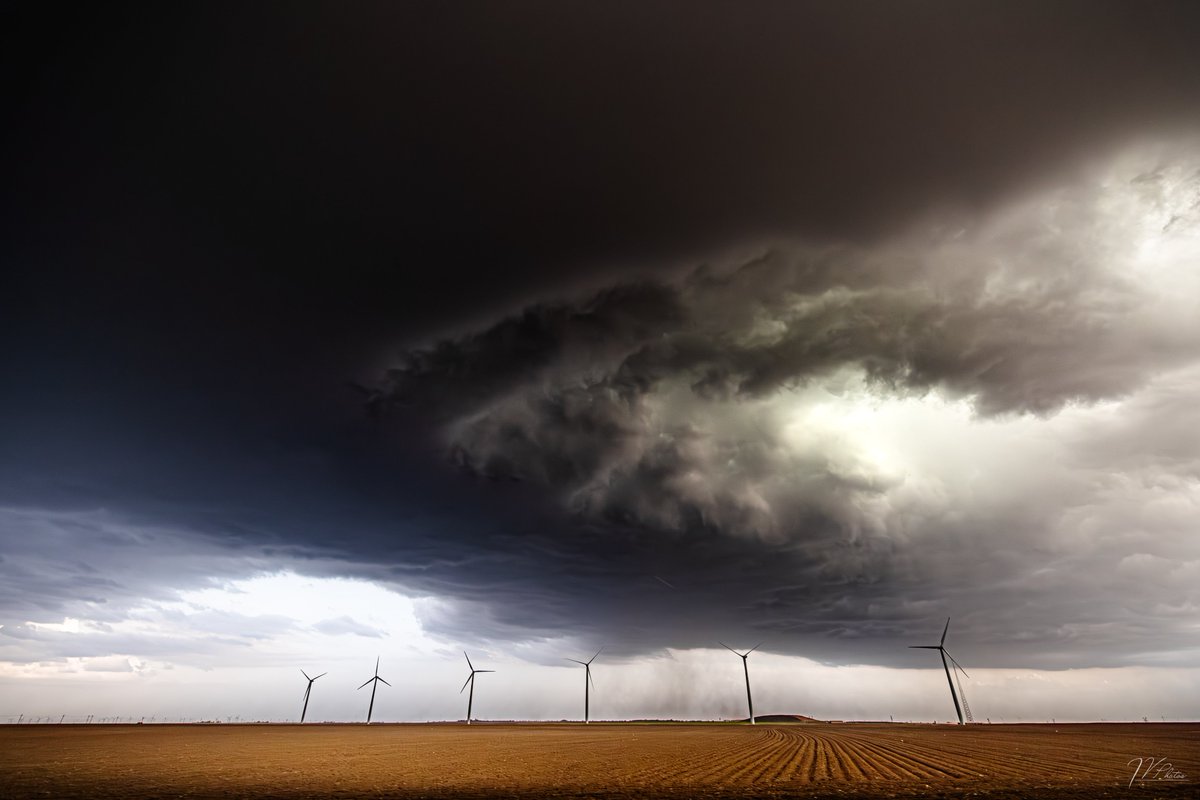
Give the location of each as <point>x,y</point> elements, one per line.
<point>260,680</point>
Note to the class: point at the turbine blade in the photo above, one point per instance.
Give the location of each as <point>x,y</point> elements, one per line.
<point>322,675</point>
<point>381,680</point>
<point>924,647</point>
<point>943,641</point>
<point>305,674</point>
<point>368,680</point>
<point>577,661</point>
<point>468,658</point>
<point>593,658</point>
<point>589,677</point>
<point>730,649</point>
<point>470,678</point>
<point>485,670</point>
<point>752,649</point>
<point>956,664</point>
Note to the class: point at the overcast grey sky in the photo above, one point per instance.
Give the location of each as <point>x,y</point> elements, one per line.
<point>399,331</point>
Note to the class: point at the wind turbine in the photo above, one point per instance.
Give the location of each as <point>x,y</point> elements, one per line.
<point>587,666</point>
<point>471,681</point>
<point>940,647</point>
<point>376,681</point>
<point>746,667</point>
<point>308,691</point>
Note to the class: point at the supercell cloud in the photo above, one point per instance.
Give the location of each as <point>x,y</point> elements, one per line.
<point>706,413</point>
<point>397,330</point>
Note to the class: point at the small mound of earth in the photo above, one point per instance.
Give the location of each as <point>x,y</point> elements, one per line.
<point>783,718</point>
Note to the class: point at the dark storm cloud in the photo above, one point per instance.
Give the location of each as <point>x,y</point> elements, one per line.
<point>662,422</point>
<point>222,216</point>
<point>392,169</point>
<point>598,398</point>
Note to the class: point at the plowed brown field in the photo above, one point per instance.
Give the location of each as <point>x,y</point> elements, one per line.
<point>601,760</point>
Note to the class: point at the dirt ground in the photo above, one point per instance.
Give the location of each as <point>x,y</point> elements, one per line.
<point>596,761</point>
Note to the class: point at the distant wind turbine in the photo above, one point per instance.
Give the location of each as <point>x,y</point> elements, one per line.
<point>940,647</point>
<point>308,691</point>
<point>587,681</point>
<point>375,681</point>
<point>746,668</point>
<point>471,681</point>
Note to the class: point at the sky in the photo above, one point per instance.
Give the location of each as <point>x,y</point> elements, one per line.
<point>396,331</point>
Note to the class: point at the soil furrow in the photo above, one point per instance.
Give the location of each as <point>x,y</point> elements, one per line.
<point>891,765</point>
<point>609,761</point>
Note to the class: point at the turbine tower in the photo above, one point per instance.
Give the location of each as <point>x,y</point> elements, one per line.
<point>587,666</point>
<point>375,681</point>
<point>940,647</point>
<point>307,692</point>
<point>746,668</point>
<point>471,681</point>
